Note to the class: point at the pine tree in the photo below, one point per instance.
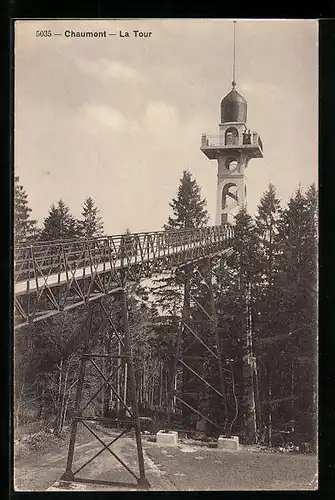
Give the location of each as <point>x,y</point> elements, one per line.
<point>244,259</point>
<point>188,212</point>
<point>267,230</point>
<point>297,244</point>
<point>127,249</point>
<point>265,321</point>
<point>312,208</point>
<point>24,227</point>
<point>188,208</point>
<point>91,226</point>
<point>297,286</point>
<point>312,383</point>
<point>237,276</point>
<point>59,224</point>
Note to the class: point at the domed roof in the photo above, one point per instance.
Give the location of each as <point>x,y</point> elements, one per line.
<point>233,107</point>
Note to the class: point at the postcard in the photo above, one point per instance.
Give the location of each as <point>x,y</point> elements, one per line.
<point>165,260</point>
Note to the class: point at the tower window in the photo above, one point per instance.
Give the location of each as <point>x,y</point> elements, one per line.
<point>231,137</point>
<point>229,196</point>
<point>231,164</point>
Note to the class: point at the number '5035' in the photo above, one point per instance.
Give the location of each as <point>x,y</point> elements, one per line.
<point>43,33</point>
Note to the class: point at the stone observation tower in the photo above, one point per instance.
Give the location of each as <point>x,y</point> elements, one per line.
<point>233,148</point>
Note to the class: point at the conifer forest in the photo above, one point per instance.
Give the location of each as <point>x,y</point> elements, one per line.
<point>265,307</point>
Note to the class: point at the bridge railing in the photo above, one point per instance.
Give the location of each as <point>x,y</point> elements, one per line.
<point>101,254</point>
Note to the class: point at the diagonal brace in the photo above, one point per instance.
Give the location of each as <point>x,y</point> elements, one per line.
<point>110,451</point>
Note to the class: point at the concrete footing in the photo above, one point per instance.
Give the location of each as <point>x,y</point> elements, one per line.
<point>167,438</point>
<point>231,443</point>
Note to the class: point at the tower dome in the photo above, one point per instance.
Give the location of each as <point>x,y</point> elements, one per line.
<point>233,107</point>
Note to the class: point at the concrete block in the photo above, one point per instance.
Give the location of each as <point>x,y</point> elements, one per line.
<point>231,443</point>
<point>167,438</point>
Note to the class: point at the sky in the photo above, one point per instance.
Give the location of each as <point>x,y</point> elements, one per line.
<point>120,118</point>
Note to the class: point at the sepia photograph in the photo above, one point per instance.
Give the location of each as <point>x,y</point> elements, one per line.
<point>165,296</point>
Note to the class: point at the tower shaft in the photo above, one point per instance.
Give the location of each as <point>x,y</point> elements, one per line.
<point>232,148</point>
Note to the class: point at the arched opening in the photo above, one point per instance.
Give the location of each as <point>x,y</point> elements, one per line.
<point>247,137</point>
<point>231,136</point>
<point>231,164</point>
<point>229,196</point>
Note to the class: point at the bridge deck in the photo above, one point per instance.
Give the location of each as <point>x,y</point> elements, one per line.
<point>63,274</point>
<point>56,279</point>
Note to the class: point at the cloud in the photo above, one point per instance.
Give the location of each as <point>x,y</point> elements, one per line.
<point>262,89</point>
<point>111,69</point>
<point>159,116</point>
<point>104,115</point>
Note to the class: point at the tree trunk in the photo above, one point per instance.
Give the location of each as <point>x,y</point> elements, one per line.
<point>62,409</point>
<point>59,406</point>
<point>258,405</point>
<point>293,400</point>
<point>160,386</point>
<point>118,380</point>
<point>248,369</point>
<point>269,426</point>
<point>185,319</point>
<point>125,383</point>
<point>60,379</point>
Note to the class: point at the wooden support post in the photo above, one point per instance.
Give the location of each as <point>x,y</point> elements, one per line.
<point>142,481</point>
<point>68,474</point>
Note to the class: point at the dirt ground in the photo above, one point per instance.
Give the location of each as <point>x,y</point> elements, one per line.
<point>41,459</point>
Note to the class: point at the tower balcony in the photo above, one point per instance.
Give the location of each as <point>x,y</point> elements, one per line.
<point>213,145</point>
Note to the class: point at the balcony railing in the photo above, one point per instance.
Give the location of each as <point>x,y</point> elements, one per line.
<point>215,141</point>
